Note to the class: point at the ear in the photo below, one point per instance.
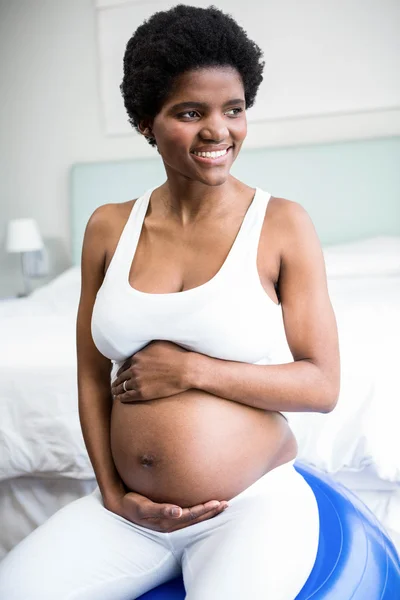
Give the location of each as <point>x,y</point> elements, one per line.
<point>145,128</point>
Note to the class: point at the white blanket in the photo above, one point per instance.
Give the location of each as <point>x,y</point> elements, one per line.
<point>40,432</point>
<point>363,430</point>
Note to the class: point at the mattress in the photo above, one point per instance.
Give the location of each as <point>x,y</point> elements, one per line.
<point>27,502</point>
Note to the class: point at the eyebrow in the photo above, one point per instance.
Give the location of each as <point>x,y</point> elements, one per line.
<point>203,104</point>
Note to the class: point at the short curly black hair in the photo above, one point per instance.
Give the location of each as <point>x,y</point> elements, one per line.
<point>184,38</point>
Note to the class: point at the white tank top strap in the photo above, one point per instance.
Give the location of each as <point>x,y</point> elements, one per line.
<point>121,261</point>
<point>247,241</point>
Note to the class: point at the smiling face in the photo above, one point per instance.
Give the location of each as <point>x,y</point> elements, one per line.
<point>205,112</point>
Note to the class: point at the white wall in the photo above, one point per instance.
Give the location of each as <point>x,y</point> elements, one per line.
<point>51,118</point>
<point>336,57</point>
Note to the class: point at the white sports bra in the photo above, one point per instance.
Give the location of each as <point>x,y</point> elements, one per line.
<point>229,317</point>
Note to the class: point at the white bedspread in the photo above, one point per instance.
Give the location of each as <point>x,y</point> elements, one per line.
<point>40,432</point>
<point>363,430</point>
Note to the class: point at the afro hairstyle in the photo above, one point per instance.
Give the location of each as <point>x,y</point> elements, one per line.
<point>178,40</point>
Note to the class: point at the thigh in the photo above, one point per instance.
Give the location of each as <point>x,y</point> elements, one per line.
<point>265,550</point>
<point>85,552</point>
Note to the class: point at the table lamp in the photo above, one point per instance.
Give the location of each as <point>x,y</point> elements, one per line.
<point>23,236</point>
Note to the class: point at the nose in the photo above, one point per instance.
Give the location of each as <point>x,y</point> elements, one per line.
<point>215,129</point>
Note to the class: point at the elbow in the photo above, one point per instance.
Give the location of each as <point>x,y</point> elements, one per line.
<point>330,398</point>
<point>325,384</point>
<point>328,406</point>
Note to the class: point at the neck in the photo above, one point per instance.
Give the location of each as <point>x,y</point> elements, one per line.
<point>191,201</point>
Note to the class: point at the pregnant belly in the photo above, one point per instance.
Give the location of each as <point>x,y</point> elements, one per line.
<point>194,447</point>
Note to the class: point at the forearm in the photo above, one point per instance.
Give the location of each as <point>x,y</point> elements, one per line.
<point>95,403</point>
<point>299,386</point>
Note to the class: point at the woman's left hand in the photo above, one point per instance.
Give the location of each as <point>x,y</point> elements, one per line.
<point>157,371</point>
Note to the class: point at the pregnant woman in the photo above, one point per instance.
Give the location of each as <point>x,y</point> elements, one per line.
<point>186,292</point>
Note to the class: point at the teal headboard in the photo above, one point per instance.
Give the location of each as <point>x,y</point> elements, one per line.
<point>350,189</point>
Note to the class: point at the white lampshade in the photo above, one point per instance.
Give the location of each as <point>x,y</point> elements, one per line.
<point>23,236</point>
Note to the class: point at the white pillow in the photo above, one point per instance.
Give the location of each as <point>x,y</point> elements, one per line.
<point>61,295</point>
<point>376,256</point>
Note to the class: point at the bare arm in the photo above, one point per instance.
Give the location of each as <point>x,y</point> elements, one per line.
<point>311,382</point>
<point>95,400</point>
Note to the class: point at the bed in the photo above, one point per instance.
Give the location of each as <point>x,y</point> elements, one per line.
<point>43,461</point>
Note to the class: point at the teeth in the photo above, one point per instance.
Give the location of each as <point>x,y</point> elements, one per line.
<point>211,154</point>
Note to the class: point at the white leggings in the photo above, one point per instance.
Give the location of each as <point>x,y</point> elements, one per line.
<point>263,546</point>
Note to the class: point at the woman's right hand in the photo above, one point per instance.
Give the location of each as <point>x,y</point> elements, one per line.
<point>160,517</point>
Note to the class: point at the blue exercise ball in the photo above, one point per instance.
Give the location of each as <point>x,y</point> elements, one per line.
<point>356,560</point>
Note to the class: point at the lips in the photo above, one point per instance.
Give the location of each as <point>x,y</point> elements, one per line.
<point>212,161</point>
<point>210,149</point>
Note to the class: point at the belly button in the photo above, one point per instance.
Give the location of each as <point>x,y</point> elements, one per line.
<point>147,460</point>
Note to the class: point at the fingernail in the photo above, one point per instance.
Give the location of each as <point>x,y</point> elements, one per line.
<point>215,504</point>
<point>176,512</point>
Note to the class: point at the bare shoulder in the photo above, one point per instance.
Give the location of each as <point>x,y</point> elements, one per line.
<point>302,265</point>
<point>107,217</point>
<point>288,214</point>
<point>292,228</point>
<point>102,232</point>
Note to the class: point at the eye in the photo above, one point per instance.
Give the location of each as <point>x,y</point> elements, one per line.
<point>238,109</point>
<point>189,112</point>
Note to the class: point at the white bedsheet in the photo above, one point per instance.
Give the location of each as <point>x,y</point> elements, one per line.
<point>363,430</point>
<point>40,432</point>
<point>27,502</point>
